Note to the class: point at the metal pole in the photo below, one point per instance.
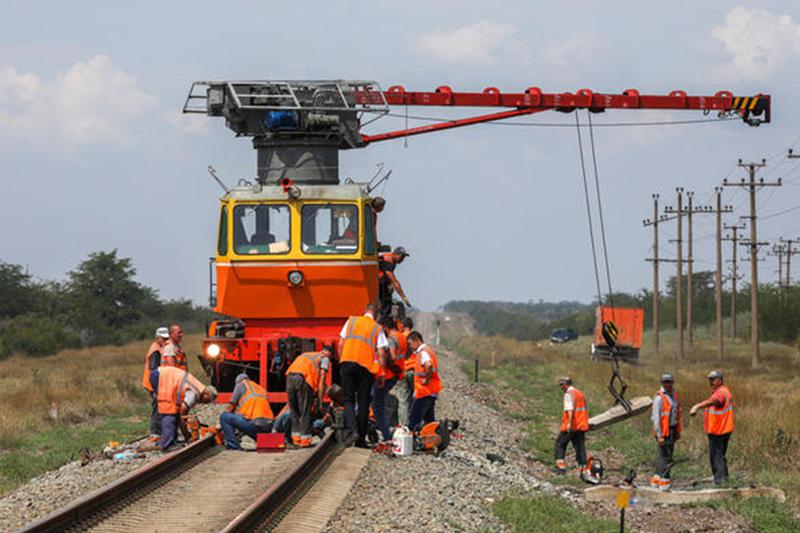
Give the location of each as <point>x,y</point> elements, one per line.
<point>755,346</point>
<point>477,364</point>
<point>718,275</point>
<point>655,274</point>
<point>679,277</point>
<point>735,282</point>
<point>689,286</point>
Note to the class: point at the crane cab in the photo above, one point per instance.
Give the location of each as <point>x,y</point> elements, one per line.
<point>292,264</point>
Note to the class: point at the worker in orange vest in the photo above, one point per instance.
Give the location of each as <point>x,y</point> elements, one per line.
<point>152,361</point>
<point>173,354</point>
<point>574,425</point>
<point>408,364</point>
<point>248,412</point>
<point>666,416</point>
<point>393,371</point>
<point>718,424</point>
<point>427,382</point>
<point>362,358</point>
<point>307,380</point>
<point>178,392</point>
<point>387,281</point>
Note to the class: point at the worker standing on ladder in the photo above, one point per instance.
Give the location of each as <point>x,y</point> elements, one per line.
<point>387,281</point>
<point>574,425</point>
<point>666,429</point>
<point>718,424</point>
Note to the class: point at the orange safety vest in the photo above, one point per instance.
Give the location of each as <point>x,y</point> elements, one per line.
<point>154,347</point>
<point>386,257</point>
<point>254,403</point>
<point>666,407</point>
<point>179,357</point>
<point>580,416</point>
<point>308,364</point>
<point>434,384</point>
<point>411,358</point>
<point>399,359</point>
<point>172,386</point>
<point>719,421</point>
<point>360,344</point>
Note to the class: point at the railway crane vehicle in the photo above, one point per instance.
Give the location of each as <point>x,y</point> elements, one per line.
<point>297,249</point>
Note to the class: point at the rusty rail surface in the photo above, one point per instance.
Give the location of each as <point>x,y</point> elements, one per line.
<point>279,498</point>
<point>96,502</point>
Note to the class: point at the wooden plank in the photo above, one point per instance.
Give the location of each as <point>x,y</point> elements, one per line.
<point>608,493</point>
<point>639,405</point>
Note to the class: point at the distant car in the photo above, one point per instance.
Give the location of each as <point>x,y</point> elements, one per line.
<point>562,335</point>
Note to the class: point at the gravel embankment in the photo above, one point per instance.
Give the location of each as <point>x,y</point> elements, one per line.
<point>447,493</point>
<point>52,490</point>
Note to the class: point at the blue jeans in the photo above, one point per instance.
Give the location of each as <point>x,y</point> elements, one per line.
<point>379,406</point>
<point>231,422</point>
<point>422,411</point>
<point>169,429</point>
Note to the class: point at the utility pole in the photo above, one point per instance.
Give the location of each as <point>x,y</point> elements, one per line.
<point>779,250</point>
<point>654,223</point>
<point>718,276</point>
<point>789,253</point>
<point>679,276</point>
<point>753,186</point>
<point>734,238</point>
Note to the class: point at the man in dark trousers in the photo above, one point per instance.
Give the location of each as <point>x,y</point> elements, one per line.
<point>361,362</point>
<point>574,425</point>
<point>666,417</point>
<point>718,424</point>
<point>387,280</point>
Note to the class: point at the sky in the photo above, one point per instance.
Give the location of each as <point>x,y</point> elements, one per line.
<point>96,154</point>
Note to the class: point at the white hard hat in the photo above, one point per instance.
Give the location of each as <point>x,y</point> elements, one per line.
<point>162,332</point>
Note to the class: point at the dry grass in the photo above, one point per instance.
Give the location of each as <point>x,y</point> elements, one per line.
<point>766,441</point>
<point>71,387</point>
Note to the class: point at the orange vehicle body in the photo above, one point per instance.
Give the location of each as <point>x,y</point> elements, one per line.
<point>327,239</point>
<point>630,325</point>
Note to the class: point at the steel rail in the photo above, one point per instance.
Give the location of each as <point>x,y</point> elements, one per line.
<point>283,493</point>
<point>95,502</point>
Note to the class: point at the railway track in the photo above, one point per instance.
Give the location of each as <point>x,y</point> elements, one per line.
<point>201,487</point>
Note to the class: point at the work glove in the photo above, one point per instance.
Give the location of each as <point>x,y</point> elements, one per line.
<point>660,441</point>
<point>693,410</point>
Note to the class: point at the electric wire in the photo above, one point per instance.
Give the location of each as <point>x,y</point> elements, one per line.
<point>588,211</point>
<point>600,209</point>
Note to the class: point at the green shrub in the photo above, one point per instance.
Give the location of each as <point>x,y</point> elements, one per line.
<point>36,336</point>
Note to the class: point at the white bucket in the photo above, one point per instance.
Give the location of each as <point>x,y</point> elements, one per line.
<point>402,442</point>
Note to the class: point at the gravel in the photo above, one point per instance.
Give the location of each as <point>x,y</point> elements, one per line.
<point>57,488</point>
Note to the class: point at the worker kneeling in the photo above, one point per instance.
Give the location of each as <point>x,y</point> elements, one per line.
<point>307,380</point>
<point>248,411</point>
<point>574,425</point>
<point>178,392</point>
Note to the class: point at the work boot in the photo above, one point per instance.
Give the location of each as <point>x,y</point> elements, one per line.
<point>664,485</point>
<point>655,481</point>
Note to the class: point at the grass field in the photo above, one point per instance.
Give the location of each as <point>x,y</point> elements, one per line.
<point>765,445</point>
<point>52,407</point>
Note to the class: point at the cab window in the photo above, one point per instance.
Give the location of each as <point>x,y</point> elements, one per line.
<point>222,243</point>
<point>330,229</point>
<point>261,229</point>
<point>369,231</point>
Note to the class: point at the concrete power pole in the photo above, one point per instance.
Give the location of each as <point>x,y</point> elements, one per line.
<point>718,275</point>
<point>654,223</point>
<point>679,276</point>
<point>733,238</point>
<point>752,185</point>
<point>779,250</point>
<point>789,253</point>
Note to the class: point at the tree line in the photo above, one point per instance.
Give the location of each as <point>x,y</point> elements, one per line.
<point>100,302</point>
<point>779,311</point>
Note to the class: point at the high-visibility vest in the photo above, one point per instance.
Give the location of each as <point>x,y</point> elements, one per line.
<point>580,416</point>
<point>172,386</point>
<point>179,357</point>
<point>399,360</point>
<point>666,407</point>
<point>411,358</point>
<point>360,344</point>
<point>386,257</point>
<point>308,364</point>
<point>154,347</point>
<point>254,402</point>
<point>434,384</point>
<point>719,420</point>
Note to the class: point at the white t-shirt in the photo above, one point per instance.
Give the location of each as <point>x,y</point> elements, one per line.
<point>382,342</point>
<point>424,355</point>
<point>189,398</point>
<point>568,402</point>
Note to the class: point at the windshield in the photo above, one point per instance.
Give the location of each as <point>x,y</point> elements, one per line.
<point>261,229</point>
<point>330,229</point>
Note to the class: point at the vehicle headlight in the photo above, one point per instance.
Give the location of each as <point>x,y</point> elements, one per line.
<point>296,277</point>
<point>212,350</point>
